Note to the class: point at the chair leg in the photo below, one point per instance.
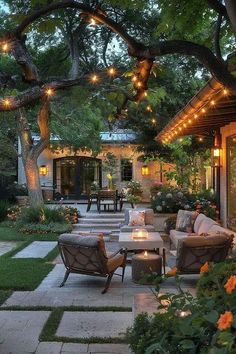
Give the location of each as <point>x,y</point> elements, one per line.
<point>124,265</point>
<point>123,273</point>
<point>108,282</point>
<point>65,278</point>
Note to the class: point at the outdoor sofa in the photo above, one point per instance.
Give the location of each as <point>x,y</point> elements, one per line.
<point>202,226</point>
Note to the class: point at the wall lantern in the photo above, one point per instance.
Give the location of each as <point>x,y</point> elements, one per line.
<point>43,170</point>
<point>216,151</point>
<point>145,170</point>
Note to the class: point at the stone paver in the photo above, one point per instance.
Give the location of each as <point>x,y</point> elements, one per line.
<point>94,324</point>
<point>6,246</point>
<point>37,249</point>
<point>109,348</point>
<point>20,330</point>
<point>49,348</point>
<point>78,348</point>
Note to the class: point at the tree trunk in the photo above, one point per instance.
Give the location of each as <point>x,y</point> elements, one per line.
<point>33,182</point>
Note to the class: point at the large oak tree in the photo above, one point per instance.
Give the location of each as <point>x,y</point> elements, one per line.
<point>175,29</point>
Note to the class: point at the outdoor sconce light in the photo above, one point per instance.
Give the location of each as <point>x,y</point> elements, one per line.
<point>43,170</point>
<point>216,152</point>
<point>145,170</point>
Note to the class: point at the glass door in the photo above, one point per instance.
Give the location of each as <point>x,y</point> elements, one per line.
<point>73,176</point>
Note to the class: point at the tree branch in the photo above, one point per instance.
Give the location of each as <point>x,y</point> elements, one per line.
<point>96,14</point>
<point>217,67</point>
<point>218,7</point>
<point>217,37</point>
<point>231,10</point>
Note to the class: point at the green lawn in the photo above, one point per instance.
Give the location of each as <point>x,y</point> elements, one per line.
<point>27,273</point>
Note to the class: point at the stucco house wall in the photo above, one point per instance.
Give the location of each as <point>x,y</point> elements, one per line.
<point>128,151</point>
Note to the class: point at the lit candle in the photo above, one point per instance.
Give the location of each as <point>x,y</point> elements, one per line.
<point>145,254</point>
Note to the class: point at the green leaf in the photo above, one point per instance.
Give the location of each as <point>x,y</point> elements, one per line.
<point>187,344</point>
<point>212,316</point>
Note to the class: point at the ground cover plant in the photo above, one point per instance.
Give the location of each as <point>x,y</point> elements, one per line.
<point>186,324</point>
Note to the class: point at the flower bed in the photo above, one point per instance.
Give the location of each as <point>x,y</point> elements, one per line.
<point>187,324</point>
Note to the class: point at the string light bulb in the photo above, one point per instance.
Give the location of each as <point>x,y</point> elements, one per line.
<point>145,93</point>
<point>225,91</point>
<point>149,108</point>
<point>6,102</point>
<point>111,71</point>
<point>203,110</point>
<point>49,92</point>
<point>212,102</point>
<point>139,84</point>
<point>92,22</point>
<point>134,78</point>
<point>94,78</point>
<point>195,116</point>
<point>153,121</point>
<point>5,47</point>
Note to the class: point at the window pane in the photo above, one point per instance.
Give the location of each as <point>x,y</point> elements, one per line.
<point>126,170</point>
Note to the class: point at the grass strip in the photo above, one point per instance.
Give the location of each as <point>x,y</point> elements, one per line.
<point>12,234</point>
<point>68,308</point>
<point>48,332</point>
<point>4,295</point>
<point>22,273</point>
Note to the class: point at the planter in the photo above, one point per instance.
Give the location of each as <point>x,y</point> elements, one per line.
<point>159,220</point>
<point>22,200</point>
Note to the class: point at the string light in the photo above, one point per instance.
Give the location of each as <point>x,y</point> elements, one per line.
<point>111,71</point>
<point>6,102</point>
<point>134,78</point>
<point>225,91</point>
<point>212,102</point>
<point>94,78</point>
<point>153,121</point>
<point>203,110</point>
<point>195,116</point>
<point>200,139</point>
<point>149,108</point>
<point>145,93</point>
<point>92,22</point>
<point>49,92</point>
<point>139,84</point>
<point>5,47</point>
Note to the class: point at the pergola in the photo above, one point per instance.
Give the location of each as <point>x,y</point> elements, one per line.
<point>210,109</point>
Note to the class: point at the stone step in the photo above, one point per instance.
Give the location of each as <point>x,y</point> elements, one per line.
<point>97,225</point>
<point>103,215</point>
<point>100,221</point>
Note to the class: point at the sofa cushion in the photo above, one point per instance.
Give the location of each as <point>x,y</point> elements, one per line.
<point>185,220</point>
<point>217,229</point>
<point>126,228</point>
<point>175,236</point>
<point>136,218</point>
<point>198,222</point>
<point>205,225</point>
<point>149,215</point>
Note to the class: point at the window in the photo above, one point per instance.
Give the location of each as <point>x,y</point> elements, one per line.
<point>126,170</point>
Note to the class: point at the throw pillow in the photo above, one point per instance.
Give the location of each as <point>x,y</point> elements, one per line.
<point>185,220</point>
<point>136,218</point>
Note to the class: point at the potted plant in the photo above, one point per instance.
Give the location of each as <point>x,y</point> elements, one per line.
<point>134,188</point>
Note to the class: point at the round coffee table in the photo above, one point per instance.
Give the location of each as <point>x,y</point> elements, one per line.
<point>141,264</point>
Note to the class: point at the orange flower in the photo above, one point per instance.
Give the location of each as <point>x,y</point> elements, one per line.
<point>204,268</point>
<point>225,321</point>
<point>230,285</point>
<point>172,272</point>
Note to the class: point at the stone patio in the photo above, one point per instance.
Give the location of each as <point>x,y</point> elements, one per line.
<point>20,328</point>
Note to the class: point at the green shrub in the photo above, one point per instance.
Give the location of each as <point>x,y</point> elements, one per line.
<point>40,215</point>
<point>54,227</point>
<point>4,205</point>
<point>187,324</point>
